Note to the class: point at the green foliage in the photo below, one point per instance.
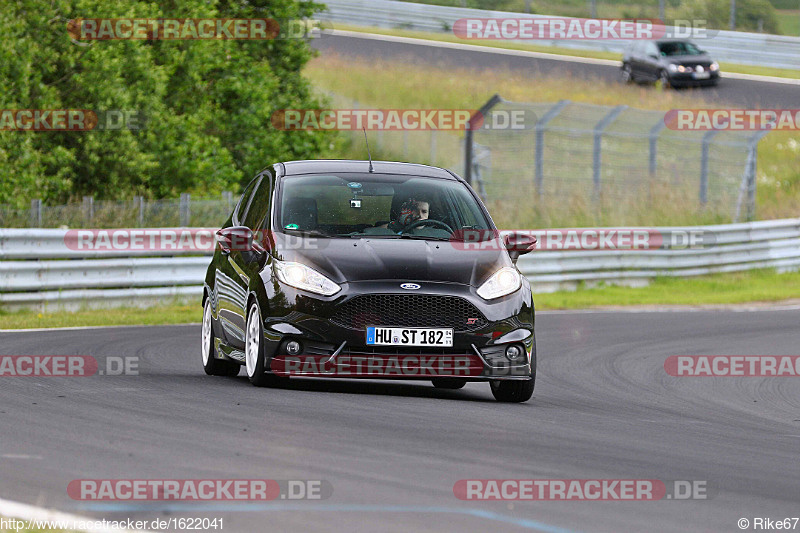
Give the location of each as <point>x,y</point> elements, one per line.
<point>207,103</point>
<point>748,14</point>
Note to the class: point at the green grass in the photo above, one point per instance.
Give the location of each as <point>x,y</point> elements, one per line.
<point>170,314</point>
<point>449,37</point>
<point>398,84</point>
<point>720,289</point>
<point>789,20</point>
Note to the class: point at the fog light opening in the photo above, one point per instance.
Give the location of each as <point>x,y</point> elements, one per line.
<point>514,353</point>
<point>293,348</point>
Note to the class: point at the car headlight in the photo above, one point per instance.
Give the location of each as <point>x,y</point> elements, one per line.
<point>504,281</point>
<point>300,276</point>
<point>714,67</point>
<point>673,68</point>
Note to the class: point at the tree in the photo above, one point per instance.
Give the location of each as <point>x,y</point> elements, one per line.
<point>206,103</point>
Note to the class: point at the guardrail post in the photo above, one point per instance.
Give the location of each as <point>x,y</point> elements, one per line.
<point>184,209</point>
<point>707,138</point>
<point>539,129</point>
<point>88,209</point>
<point>36,213</point>
<point>655,131</point>
<point>472,124</point>
<point>598,141</point>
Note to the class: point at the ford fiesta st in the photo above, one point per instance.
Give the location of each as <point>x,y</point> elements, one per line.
<point>349,269</point>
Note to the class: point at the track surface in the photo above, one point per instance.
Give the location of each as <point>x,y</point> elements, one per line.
<point>603,408</point>
<point>730,92</point>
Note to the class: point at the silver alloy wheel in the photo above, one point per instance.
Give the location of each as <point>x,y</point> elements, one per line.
<point>252,341</point>
<point>206,333</point>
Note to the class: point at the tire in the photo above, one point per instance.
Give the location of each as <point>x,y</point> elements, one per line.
<point>663,79</point>
<point>254,348</point>
<point>208,352</point>
<point>626,75</point>
<point>516,391</point>
<point>448,383</point>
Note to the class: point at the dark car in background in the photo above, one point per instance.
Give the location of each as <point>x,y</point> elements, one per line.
<point>349,269</point>
<point>672,62</point>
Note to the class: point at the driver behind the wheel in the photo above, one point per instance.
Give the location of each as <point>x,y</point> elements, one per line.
<point>411,211</point>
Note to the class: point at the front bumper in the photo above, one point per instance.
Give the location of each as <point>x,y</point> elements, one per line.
<point>330,349</point>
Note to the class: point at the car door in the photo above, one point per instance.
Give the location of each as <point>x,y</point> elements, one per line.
<point>634,59</point>
<point>229,283</point>
<point>651,61</point>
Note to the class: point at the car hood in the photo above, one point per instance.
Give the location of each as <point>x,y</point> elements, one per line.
<point>370,259</point>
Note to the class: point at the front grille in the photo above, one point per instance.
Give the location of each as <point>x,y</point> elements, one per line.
<point>409,310</point>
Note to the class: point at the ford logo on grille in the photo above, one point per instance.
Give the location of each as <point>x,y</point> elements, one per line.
<point>410,286</point>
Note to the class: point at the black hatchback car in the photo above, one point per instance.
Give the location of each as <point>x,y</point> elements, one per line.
<point>360,270</point>
<point>673,62</point>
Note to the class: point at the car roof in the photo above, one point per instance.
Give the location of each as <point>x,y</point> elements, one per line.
<point>315,166</point>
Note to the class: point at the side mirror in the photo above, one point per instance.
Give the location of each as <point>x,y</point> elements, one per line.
<point>242,239</point>
<point>519,244</point>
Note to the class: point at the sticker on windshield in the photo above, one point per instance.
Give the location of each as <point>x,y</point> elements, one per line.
<point>291,226</point>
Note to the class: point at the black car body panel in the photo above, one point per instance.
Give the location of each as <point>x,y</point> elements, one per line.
<point>369,271</point>
<point>646,61</point>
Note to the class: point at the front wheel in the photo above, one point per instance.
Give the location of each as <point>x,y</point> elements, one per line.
<point>254,348</point>
<point>212,365</point>
<point>626,75</point>
<point>513,391</point>
<point>663,80</point>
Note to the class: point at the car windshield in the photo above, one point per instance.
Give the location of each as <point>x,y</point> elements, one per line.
<point>383,206</point>
<point>678,48</point>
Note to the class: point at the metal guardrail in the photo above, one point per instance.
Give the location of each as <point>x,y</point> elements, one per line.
<point>730,46</point>
<point>38,270</point>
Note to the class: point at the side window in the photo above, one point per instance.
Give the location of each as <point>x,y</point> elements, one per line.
<point>652,50</point>
<point>241,207</point>
<point>259,203</point>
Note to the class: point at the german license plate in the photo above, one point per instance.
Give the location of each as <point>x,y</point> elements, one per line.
<point>702,75</point>
<point>389,336</point>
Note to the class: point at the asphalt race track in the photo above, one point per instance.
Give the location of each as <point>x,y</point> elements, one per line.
<point>732,92</point>
<point>604,408</point>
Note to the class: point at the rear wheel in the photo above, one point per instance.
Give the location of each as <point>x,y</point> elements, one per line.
<point>212,365</point>
<point>448,383</point>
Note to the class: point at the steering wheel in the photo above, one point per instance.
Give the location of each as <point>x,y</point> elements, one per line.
<point>426,222</point>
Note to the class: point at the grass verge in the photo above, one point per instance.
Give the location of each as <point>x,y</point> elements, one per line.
<point>716,289</point>
<point>450,38</point>
<point>170,314</point>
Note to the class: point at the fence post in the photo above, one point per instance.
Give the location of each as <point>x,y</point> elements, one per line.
<point>598,140</point>
<point>474,120</point>
<point>138,207</point>
<point>752,167</point>
<point>539,129</point>
<point>655,131</point>
<point>88,209</point>
<point>36,213</point>
<point>704,165</point>
<point>184,209</point>
<point>227,197</point>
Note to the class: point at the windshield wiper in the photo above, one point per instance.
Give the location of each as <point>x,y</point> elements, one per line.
<point>310,233</point>
<point>423,237</point>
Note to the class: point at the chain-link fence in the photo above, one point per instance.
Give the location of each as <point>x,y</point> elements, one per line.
<point>138,212</point>
<point>573,163</point>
